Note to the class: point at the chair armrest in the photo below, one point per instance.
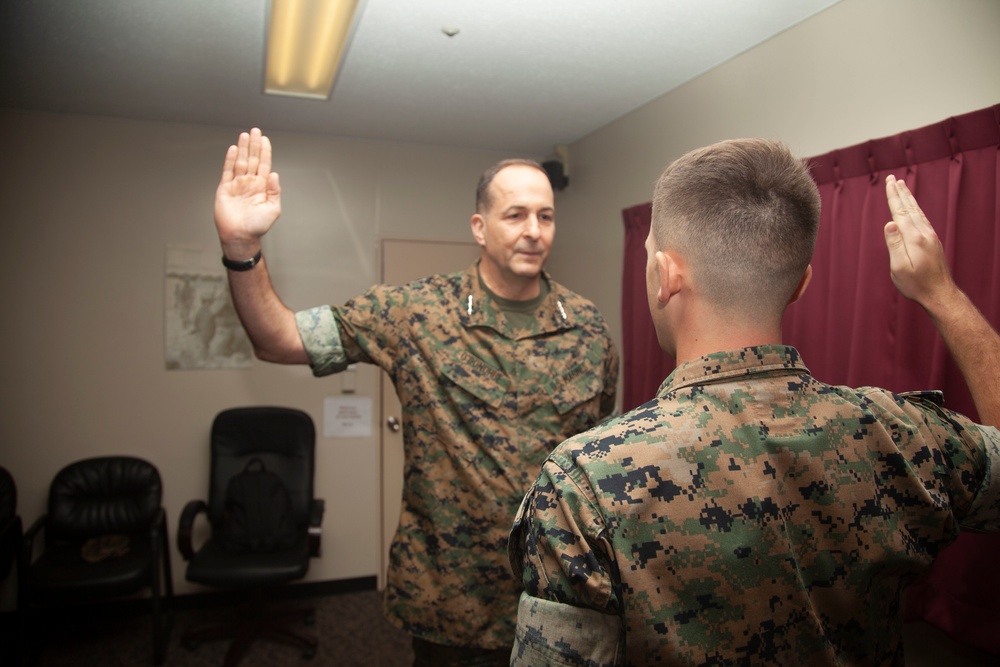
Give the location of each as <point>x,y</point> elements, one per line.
<point>12,532</point>
<point>316,511</point>
<point>157,526</point>
<point>11,539</point>
<point>191,510</point>
<point>28,543</point>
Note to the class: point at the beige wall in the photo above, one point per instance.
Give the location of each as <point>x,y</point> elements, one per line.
<point>90,204</point>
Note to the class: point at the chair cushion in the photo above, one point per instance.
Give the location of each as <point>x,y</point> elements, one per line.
<point>215,566</point>
<point>62,573</point>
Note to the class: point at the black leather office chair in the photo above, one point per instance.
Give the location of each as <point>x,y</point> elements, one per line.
<point>105,536</point>
<point>11,534</point>
<point>284,440</point>
<point>10,523</point>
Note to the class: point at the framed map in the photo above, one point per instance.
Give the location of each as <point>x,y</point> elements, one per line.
<point>202,329</point>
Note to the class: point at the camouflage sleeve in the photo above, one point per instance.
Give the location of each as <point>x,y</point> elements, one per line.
<point>570,606</point>
<point>967,459</point>
<point>609,395</point>
<point>366,329</point>
<point>552,633</point>
<point>321,338</point>
<point>984,512</point>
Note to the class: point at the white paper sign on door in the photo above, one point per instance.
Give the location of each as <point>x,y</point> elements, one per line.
<point>347,417</point>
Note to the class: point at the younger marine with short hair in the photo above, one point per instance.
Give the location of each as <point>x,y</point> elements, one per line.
<point>749,513</point>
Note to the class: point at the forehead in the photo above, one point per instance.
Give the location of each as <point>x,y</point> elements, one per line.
<point>521,185</point>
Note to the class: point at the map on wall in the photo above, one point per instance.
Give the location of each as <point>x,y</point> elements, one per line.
<point>202,329</point>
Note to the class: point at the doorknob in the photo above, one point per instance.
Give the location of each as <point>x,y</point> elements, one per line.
<point>393,424</point>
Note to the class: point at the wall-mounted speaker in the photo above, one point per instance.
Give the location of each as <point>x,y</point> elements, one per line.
<point>557,174</point>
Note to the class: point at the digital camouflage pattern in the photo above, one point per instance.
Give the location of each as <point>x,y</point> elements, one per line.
<point>749,514</point>
<point>483,405</point>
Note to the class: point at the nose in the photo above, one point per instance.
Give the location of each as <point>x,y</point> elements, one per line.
<point>532,229</point>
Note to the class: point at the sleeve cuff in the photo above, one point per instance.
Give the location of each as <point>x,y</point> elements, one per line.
<point>321,339</point>
<point>984,514</point>
<point>561,634</point>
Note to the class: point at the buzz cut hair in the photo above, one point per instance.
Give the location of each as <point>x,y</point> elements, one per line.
<point>744,214</point>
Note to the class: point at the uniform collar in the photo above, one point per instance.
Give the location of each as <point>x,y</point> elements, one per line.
<point>477,309</point>
<point>731,364</point>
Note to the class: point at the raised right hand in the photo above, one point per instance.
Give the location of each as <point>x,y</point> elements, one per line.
<point>248,199</point>
<point>917,261</point>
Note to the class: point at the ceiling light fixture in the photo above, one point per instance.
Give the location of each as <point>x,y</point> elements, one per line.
<point>306,44</point>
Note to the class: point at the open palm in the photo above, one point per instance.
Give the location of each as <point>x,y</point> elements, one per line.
<point>248,199</point>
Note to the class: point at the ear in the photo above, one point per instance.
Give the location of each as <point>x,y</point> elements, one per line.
<point>478,224</point>
<point>671,273</point>
<point>803,284</point>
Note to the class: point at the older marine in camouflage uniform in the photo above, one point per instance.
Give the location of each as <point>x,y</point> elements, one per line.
<point>750,514</point>
<point>484,402</point>
<point>494,367</point>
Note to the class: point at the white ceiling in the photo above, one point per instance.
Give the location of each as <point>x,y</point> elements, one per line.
<point>520,76</point>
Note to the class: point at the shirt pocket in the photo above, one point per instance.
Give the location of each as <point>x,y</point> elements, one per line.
<point>474,376</point>
<point>578,385</point>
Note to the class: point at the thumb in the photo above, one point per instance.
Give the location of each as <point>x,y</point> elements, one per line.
<point>273,186</point>
<point>893,237</point>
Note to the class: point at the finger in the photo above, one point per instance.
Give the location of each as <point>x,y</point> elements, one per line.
<point>242,151</point>
<point>273,187</point>
<point>904,207</point>
<point>228,164</point>
<point>264,168</point>
<point>909,202</point>
<point>253,161</point>
<point>899,257</point>
<point>892,197</point>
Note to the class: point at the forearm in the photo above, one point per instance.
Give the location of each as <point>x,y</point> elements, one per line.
<point>975,346</point>
<point>269,323</point>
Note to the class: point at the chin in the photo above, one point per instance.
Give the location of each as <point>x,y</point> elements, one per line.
<point>527,269</point>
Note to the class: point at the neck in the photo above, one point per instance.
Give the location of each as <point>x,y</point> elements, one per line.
<point>710,333</point>
<point>510,286</point>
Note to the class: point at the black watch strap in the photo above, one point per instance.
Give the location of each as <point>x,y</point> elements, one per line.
<point>242,265</point>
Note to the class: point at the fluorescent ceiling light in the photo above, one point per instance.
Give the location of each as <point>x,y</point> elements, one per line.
<point>306,44</point>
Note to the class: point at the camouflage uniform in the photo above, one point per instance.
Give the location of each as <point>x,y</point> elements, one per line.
<point>749,514</point>
<point>483,405</point>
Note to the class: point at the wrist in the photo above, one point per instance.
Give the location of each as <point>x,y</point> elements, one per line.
<point>240,248</point>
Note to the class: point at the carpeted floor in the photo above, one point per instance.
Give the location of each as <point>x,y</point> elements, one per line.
<point>351,629</point>
<point>352,632</point>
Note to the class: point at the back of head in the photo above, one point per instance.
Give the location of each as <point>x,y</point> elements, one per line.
<point>744,215</point>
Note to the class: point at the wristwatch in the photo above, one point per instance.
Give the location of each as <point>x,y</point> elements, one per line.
<point>242,265</point>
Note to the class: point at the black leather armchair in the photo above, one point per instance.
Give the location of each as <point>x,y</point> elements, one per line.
<point>11,533</point>
<point>284,440</point>
<point>105,536</point>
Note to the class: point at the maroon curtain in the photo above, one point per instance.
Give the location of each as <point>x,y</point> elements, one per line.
<point>644,365</point>
<point>853,328</point>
